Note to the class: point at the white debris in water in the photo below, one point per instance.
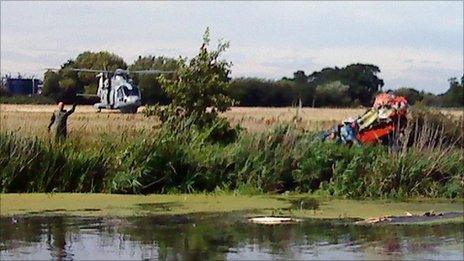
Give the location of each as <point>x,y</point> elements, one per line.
<point>272,220</point>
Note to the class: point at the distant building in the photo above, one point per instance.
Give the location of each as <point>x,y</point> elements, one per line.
<point>22,86</point>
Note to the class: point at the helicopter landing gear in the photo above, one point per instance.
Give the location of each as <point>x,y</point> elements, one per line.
<point>129,110</point>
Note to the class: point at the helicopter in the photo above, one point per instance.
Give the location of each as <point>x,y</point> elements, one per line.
<point>117,90</point>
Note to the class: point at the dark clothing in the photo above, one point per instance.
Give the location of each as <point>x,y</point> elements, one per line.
<point>59,122</point>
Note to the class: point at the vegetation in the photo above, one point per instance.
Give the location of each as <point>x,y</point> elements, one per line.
<point>453,97</point>
<point>199,90</point>
<point>333,87</point>
<point>352,85</point>
<point>218,202</point>
<point>64,84</point>
<point>189,160</point>
<point>149,84</point>
<point>261,92</point>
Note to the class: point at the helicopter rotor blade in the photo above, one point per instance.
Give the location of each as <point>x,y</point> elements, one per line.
<point>107,71</point>
<point>76,70</point>
<point>51,69</point>
<point>89,70</point>
<point>86,95</point>
<point>151,72</point>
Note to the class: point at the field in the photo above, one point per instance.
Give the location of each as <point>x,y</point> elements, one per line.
<point>31,120</point>
<point>85,123</point>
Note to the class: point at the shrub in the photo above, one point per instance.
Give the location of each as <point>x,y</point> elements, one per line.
<point>199,91</point>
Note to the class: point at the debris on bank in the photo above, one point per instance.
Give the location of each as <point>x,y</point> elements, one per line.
<point>385,121</point>
<point>410,218</point>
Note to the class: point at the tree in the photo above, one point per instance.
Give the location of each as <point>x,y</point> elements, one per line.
<point>3,87</point>
<point>66,83</point>
<point>97,61</point>
<point>361,78</point>
<point>454,96</point>
<point>261,92</point>
<point>411,94</point>
<point>51,85</point>
<point>332,94</point>
<point>363,82</point>
<point>149,84</point>
<point>303,90</point>
<point>200,88</point>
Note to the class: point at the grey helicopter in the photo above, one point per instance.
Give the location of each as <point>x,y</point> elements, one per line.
<point>116,89</point>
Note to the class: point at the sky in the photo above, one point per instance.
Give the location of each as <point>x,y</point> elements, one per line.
<point>415,44</point>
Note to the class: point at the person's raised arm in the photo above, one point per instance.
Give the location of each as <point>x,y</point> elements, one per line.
<point>72,109</point>
<point>52,120</point>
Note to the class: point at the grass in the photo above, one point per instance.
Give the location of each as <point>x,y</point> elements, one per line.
<point>127,157</point>
<point>282,159</point>
<point>138,205</point>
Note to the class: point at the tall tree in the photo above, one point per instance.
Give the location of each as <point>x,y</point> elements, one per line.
<point>334,94</point>
<point>262,92</point>
<point>149,84</point>
<point>51,84</point>
<point>66,83</point>
<point>362,80</point>
<point>411,94</point>
<point>454,96</point>
<point>97,61</point>
<point>303,89</point>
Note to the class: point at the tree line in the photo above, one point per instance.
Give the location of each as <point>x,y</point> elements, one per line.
<point>350,86</point>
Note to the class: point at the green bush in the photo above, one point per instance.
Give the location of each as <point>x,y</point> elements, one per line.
<point>199,90</point>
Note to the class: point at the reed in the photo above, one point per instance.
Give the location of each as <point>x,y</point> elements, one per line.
<point>287,157</point>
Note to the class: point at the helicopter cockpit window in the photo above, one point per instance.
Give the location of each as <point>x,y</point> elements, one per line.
<point>121,77</point>
<point>119,94</point>
<point>129,92</point>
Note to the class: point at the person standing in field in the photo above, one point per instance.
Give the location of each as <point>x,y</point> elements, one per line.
<point>59,121</point>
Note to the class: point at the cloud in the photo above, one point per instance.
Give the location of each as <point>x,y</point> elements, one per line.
<point>399,66</point>
<point>417,44</point>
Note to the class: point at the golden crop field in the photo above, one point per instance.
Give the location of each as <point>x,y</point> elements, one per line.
<point>87,124</point>
<point>33,119</point>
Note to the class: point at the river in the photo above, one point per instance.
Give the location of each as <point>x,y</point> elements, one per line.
<point>220,236</point>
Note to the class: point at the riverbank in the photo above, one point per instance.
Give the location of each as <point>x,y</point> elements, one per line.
<point>206,160</point>
<point>295,205</point>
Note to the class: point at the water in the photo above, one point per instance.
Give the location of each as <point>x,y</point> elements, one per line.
<point>216,236</point>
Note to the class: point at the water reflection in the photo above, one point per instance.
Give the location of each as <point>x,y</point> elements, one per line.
<point>203,237</point>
